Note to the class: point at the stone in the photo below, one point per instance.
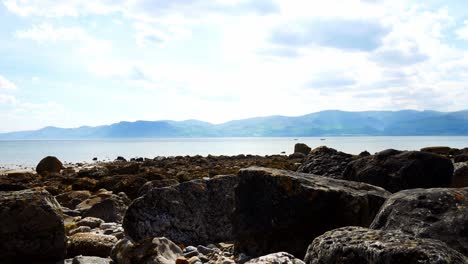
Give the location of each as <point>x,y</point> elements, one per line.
<point>156,184</point>
<point>362,245</point>
<point>193,259</point>
<point>128,184</point>
<point>396,170</point>
<point>181,260</point>
<point>460,177</point>
<point>91,222</point>
<point>84,183</point>
<point>32,227</point>
<point>365,153</point>
<point>461,158</point>
<point>90,244</point>
<point>439,213</point>
<point>276,258</point>
<point>80,229</point>
<point>440,150</point>
<point>48,165</point>
<point>190,213</point>
<point>158,250</point>
<point>302,148</point>
<point>106,206</point>
<point>277,210</point>
<point>16,181</point>
<point>73,198</point>
<point>91,260</point>
<point>96,172</point>
<point>120,158</point>
<point>325,161</point>
<point>297,155</point>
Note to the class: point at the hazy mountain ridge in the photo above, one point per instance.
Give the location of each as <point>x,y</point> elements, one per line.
<point>324,123</point>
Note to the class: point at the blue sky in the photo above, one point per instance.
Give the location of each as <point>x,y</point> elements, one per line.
<point>73,63</point>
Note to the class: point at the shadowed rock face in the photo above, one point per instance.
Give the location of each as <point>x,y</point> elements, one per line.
<point>190,213</point>
<point>460,177</point>
<point>279,210</point>
<point>396,170</point>
<point>439,213</point>
<point>31,227</point>
<point>49,164</point>
<point>357,245</point>
<point>326,161</point>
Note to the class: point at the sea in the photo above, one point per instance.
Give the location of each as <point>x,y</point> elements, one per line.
<point>25,154</point>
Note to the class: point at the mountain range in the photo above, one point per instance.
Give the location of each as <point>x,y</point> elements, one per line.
<point>324,123</point>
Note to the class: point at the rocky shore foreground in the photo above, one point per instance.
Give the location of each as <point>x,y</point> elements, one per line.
<point>314,206</point>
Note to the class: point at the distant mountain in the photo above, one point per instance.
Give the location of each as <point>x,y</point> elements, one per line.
<point>324,123</point>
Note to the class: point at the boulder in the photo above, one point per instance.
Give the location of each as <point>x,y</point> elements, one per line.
<point>325,161</point>
<point>440,150</point>
<point>367,246</point>
<point>91,222</point>
<point>461,158</point>
<point>440,213</point>
<point>31,227</point>
<point>128,184</point>
<point>190,213</point>
<point>73,198</point>
<point>158,250</point>
<point>96,172</point>
<point>17,181</point>
<point>301,148</point>
<point>49,164</point>
<point>156,184</point>
<point>106,206</point>
<point>398,170</point>
<point>460,177</point>
<point>276,258</point>
<point>90,244</point>
<point>91,260</point>
<point>277,210</point>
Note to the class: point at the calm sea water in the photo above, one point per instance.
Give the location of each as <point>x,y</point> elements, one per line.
<point>28,153</point>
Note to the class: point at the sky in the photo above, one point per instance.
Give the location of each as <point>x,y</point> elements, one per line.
<point>79,62</point>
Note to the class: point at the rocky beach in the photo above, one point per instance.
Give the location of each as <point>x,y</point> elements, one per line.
<point>314,206</point>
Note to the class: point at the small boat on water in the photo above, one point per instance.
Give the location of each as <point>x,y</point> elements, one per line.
<point>322,139</point>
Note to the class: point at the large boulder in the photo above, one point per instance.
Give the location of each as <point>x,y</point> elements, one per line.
<point>325,161</point>
<point>90,244</point>
<point>73,198</point>
<point>367,246</point>
<point>156,184</point>
<point>440,213</point>
<point>301,148</point>
<point>398,170</point>
<point>441,150</point>
<point>158,250</point>
<point>279,210</point>
<point>460,177</point>
<point>31,227</point>
<point>49,164</point>
<point>105,205</point>
<point>276,258</point>
<point>128,184</point>
<point>190,213</point>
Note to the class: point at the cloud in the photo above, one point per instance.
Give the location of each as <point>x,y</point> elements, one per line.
<point>331,80</point>
<point>398,57</point>
<point>462,33</point>
<point>7,99</point>
<point>6,84</point>
<point>360,35</point>
<point>52,8</point>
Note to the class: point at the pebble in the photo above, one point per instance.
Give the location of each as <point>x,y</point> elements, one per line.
<point>205,250</point>
<point>181,260</point>
<point>190,248</point>
<point>80,229</point>
<point>190,254</point>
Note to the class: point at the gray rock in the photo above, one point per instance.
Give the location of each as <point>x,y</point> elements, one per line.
<point>205,250</point>
<point>90,244</point>
<point>325,161</point>
<point>80,229</point>
<point>73,198</point>
<point>461,158</point>
<point>367,246</point>
<point>48,165</point>
<point>190,248</point>
<point>91,222</point>
<point>106,206</point>
<point>276,258</point>
<point>190,213</point>
<point>31,227</point>
<point>279,210</point>
<point>440,213</point>
<point>399,170</point>
<point>91,260</point>
<point>460,177</point>
<point>156,184</point>
<point>148,251</point>
<point>301,148</point>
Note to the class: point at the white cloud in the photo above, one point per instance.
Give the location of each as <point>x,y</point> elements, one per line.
<point>462,32</point>
<point>6,84</point>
